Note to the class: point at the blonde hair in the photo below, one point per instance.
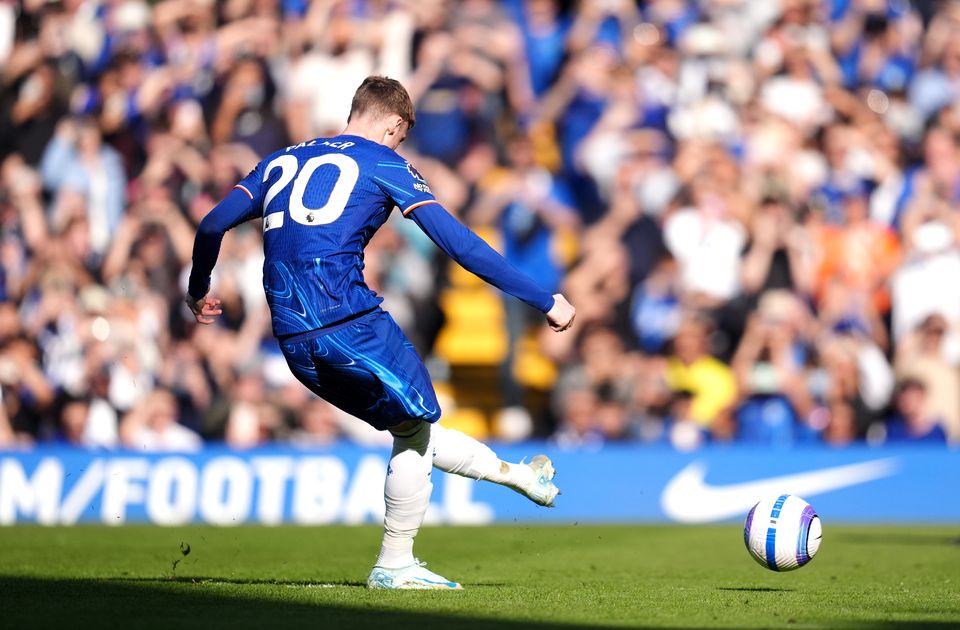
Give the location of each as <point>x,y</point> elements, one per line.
<point>382,96</point>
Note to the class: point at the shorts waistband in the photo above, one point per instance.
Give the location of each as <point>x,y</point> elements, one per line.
<point>318,332</point>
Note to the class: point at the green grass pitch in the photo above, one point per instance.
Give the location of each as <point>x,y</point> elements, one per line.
<point>514,577</point>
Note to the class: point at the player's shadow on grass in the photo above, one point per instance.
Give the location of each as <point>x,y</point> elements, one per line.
<point>194,579</point>
<point>206,602</point>
<point>755,589</point>
<point>30,602</point>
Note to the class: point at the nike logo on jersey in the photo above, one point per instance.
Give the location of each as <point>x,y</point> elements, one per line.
<point>688,498</point>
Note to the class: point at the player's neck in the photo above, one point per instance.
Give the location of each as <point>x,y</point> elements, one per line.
<point>365,130</point>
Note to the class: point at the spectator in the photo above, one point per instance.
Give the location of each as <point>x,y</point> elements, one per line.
<point>73,422</point>
<point>317,425</point>
<point>923,283</point>
<point>578,411</point>
<point>28,124</point>
<point>595,394</point>
<point>778,255</point>
<point>603,366</point>
<point>909,423</point>
<point>706,240</point>
<point>923,356</point>
<point>710,384</point>
<point>544,30</point>
<point>939,85</point>
<point>86,177</point>
<point>860,257</point>
<point>656,309</point>
<point>770,367</point>
<point>153,425</point>
<point>859,383</point>
<point>28,394</point>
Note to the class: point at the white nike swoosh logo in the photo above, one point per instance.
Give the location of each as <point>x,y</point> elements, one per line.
<point>687,498</point>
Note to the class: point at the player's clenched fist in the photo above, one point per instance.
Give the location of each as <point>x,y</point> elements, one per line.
<point>205,309</point>
<point>560,317</point>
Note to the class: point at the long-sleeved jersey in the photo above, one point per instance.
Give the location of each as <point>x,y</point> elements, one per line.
<point>321,202</point>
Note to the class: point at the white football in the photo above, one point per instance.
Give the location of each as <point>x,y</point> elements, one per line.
<point>782,533</point>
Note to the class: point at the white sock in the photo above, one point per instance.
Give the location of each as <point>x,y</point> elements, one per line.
<point>406,496</point>
<point>458,453</point>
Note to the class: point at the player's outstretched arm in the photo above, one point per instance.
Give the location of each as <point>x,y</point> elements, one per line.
<point>474,255</point>
<point>236,208</point>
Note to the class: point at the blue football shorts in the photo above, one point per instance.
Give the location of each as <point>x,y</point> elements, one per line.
<point>367,367</point>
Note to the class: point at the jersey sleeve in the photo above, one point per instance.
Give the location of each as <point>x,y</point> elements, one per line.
<point>252,186</point>
<point>236,208</point>
<point>474,255</point>
<point>403,184</point>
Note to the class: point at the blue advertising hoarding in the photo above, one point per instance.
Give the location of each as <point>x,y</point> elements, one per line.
<point>344,484</point>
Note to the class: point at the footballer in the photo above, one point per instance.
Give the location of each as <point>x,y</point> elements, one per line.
<point>321,201</point>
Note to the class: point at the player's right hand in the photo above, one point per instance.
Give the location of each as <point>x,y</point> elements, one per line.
<point>560,317</point>
<point>205,309</point>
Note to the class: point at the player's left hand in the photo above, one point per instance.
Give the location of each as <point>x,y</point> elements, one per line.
<point>206,309</point>
<point>561,315</point>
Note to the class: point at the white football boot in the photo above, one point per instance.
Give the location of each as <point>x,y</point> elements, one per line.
<point>416,576</point>
<point>535,480</point>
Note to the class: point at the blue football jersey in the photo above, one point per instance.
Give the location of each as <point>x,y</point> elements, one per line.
<point>321,202</point>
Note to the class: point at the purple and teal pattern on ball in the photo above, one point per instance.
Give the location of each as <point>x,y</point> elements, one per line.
<point>806,518</point>
<point>748,525</point>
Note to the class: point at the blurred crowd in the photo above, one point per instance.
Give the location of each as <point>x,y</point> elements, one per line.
<point>754,206</point>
